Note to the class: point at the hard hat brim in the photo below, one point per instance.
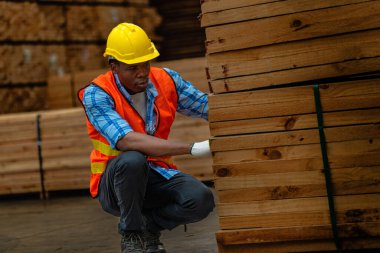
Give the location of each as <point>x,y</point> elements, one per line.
<point>134,60</point>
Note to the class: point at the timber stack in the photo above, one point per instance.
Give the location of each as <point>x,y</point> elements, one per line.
<point>19,163</point>
<point>55,37</point>
<point>180,29</point>
<point>295,117</point>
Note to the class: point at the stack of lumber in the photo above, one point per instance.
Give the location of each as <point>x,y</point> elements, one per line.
<point>180,28</point>
<point>56,159</point>
<point>65,149</point>
<point>19,163</point>
<point>42,38</point>
<point>264,58</point>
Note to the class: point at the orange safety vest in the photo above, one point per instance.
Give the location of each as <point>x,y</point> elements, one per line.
<point>165,106</point>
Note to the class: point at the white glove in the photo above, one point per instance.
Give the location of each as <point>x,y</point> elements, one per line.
<point>201,148</point>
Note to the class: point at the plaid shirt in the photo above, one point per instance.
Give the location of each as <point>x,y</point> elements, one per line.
<point>100,111</point>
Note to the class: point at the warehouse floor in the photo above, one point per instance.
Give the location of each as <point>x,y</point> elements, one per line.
<point>73,222</point>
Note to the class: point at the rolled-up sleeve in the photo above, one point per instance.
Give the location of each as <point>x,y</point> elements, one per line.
<point>100,110</point>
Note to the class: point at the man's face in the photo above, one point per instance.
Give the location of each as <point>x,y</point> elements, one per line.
<point>133,77</point>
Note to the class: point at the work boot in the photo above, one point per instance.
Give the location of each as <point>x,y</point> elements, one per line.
<point>132,242</point>
<point>153,243</point>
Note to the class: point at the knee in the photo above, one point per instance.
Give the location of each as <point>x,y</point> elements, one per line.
<point>207,201</point>
<point>201,204</point>
<point>131,163</point>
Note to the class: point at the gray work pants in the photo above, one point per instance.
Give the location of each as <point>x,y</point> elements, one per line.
<point>129,189</point>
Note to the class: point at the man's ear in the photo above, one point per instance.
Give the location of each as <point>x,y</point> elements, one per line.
<point>114,67</point>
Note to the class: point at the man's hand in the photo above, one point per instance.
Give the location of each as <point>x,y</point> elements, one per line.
<point>201,148</point>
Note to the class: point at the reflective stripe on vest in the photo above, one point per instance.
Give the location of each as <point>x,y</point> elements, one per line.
<point>105,149</point>
<point>97,168</point>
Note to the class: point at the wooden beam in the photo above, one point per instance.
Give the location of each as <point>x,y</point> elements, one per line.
<point>264,235</point>
<point>294,122</point>
<point>249,10</point>
<point>218,5</point>
<point>288,76</point>
<point>294,55</point>
<point>345,181</point>
<point>334,149</point>
<point>294,100</point>
<point>350,160</point>
<point>310,218</point>
<point>293,181</point>
<point>316,204</point>
<point>302,246</point>
<point>292,27</point>
<point>297,137</point>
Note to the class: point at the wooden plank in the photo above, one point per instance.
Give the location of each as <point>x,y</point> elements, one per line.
<point>302,246</point>
<point>288,76</point>
<point>342,203</point>
<point>19,165</point>
<point>295,100</point>
<point>295,93</point>
<point>298,26</point>
<point>66,174</point>
<point>264,235</point>
<point>19,134</point>
<point>311,218</point>
<point>71,147</point>
<point>11,152</point>
<point>334,91</point>
<point>251,10</point>
<point>24,118</point>
<point>297,137</point>
<point>296,165</point>
<point>297,179</point>
<point>62,163</point>
<point>68,184</point>
<point>59,92</point>
<point>294,122</point>
<point>348,187</point>
<point>218,5</point>
<point>335,149</point>
<point>346,181</point>
<point>298,54</point>
<point>23,128</point>
<point>200,168</point>
<point>25,182</point>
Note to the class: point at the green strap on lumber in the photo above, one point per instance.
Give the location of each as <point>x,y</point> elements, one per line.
<point>326,166</point>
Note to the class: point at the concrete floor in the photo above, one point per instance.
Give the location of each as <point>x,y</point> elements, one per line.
<point>71,223</point>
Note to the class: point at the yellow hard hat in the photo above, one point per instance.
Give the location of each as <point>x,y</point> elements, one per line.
<point>129,43</point>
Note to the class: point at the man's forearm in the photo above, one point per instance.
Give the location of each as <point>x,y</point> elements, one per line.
<point>152,146</point>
